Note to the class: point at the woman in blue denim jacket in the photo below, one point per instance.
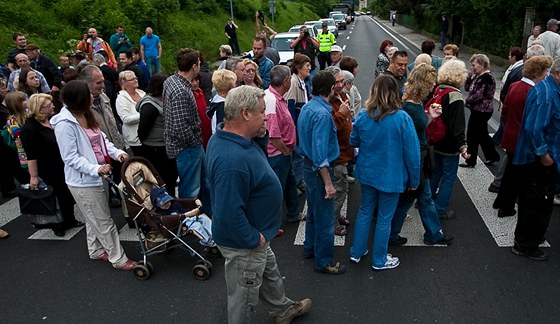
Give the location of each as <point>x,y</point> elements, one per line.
<point>388,163</point>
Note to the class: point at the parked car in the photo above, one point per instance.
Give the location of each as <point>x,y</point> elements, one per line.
<point>340,20</point>
<point>368,13</point>
<point>310,28</point>
<point>318,24</point>
<point>331,25</point>
<point>281,42</point>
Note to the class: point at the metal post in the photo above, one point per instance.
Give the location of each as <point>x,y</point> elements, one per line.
<point>231,8</point>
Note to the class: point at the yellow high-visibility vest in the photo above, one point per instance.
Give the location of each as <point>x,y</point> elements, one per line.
<point>326,41</point>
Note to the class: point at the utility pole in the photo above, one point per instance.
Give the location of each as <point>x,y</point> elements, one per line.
<point>272,9</point>
<point>231,8</point>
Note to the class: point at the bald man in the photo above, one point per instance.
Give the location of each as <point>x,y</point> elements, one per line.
<point>150,50</point>
<point>91,44</point>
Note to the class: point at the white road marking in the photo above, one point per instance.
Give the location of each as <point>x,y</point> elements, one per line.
<point>343,47</point>
<point>348,37</point>
<point>350,32</point>
<point>300,235</point>
<point>393,36</point>
<point>476,182</point>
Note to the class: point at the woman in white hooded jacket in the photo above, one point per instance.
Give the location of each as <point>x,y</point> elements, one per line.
<point>86,153</point>
<point>126,108</point>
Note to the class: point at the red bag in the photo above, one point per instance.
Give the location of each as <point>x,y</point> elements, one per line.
<point>435,131</point>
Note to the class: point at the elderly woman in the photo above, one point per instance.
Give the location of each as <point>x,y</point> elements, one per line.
<point>481,86</point>
<point>43,157</point>
<point>29,82</point>
<point>86,153</point>
<point>224,81</point>
<point>421,58</point>
<point>382,58</point>
<point>251,75</point>
<point>126,108</point>
<point>446,151</point>
<point>350,64</point>
<point>388,164</point>
<point>419,84</point>
<point>298,94</point>
<point>150,132</point>
<point>534,71</point>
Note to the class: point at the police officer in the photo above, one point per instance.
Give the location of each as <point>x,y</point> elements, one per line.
<point>326,40</point>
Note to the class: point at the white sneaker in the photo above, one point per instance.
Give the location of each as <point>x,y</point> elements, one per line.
<point>391,263</point>
<point>557,200</point>
<point>357,259</point>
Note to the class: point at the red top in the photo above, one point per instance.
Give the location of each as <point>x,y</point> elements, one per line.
<point>343,124</point>
<point>205,123</point>
<point>512,113</point>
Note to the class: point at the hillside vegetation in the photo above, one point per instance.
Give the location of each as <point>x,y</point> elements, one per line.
<point>57,25</point>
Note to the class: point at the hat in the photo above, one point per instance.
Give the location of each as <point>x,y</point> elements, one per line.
<point>336,48</point>
<point>77,53</point>
<point>31,47</point>
<point>160,197</point>
<point>325,24</point>
<point>552,22</point>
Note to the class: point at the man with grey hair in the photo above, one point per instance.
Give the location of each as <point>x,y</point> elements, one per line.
<point>282,133</point>
<point>538,155</point>
<point>246,200</point>
<point>111,77</point>
<point>551,39</point>
<point>534,35</point>
<point>342,117</point>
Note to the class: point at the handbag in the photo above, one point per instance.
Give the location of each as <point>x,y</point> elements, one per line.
<point>39,205</point>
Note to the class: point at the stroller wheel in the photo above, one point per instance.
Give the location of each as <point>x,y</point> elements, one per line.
<point>201,272</point>
<point>148,264</point>
<point>206,263</point>
<point>141,272</point>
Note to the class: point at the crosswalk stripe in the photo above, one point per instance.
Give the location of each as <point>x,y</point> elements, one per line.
<point>300,235</point>
<point>476,182</point>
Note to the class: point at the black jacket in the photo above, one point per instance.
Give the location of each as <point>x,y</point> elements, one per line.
<point>49,70</point>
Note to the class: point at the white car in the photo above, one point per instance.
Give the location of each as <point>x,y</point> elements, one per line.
<point>281,42</point>
<point>310,28</point>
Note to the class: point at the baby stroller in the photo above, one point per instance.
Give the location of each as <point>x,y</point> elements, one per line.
<point>158,233</point>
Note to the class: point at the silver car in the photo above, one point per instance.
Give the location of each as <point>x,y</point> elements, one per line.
<point>310,28</point>
<point>333,28</point>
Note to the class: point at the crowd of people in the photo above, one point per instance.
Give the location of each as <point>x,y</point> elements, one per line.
<point>253,134</point>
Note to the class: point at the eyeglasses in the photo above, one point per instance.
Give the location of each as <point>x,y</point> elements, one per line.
<point>133,79</point>
<point>50,105</point>
<point>249,71</point>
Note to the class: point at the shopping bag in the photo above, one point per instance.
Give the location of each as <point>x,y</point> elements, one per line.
<point>39,205</point>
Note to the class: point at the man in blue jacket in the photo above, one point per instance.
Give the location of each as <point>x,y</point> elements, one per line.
<point>246,200</point>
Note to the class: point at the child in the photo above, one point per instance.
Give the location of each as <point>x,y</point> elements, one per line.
<point>166,205</point>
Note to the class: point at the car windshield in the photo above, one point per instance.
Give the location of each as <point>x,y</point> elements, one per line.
<point>329,22</point>
<point>281,44</point>
<point>338,17</point>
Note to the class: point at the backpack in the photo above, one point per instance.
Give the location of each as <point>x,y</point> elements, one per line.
<point>435,131</point>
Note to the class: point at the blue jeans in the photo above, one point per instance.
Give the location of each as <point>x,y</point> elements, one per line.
<point>153,64</point>
<point>386,203</point>
<point>192,176</point>
<point>443,178</point>
<point>319,225</point>
<point>427,211</point>
<point>282,166</point>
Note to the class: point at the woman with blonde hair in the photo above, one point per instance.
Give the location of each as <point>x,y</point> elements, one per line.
<point>388,164</point>
<point>451,75</point>
<point>223,81</point>
<point>251,75</point>
<point>126,108</point>
<point>419,84</point>
<point>44,160</point>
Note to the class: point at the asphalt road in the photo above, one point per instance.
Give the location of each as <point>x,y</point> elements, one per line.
<point>474,280</point>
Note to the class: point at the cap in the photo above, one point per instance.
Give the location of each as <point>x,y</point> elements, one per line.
<point>325,25</point>
<point>77,53</point>
<point>336,48</point>
<point>31,47</point>
<point>160,197</point>
<point>552,22</point>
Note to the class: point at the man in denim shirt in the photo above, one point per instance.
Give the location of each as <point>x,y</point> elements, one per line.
<point>264,63</point>
<point>318,142</point>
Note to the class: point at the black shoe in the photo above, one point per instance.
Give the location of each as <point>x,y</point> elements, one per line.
<point>114,202</point>
<point>59,233</point>
<point>334,268</point>
<point>493,188</point>
<point>446,239</point>
<point>506,213</point>
<point>496,204</point>
<point>398,241</point>
<point>536,254</point>
<point>447,215</point>
<point>466,165</point>
<point>491,161</point>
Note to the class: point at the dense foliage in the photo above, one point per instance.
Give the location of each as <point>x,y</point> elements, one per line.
<point>57,25</point>
<point>489,25</point>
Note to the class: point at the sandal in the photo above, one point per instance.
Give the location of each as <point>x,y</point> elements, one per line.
<point>343,221</point>
<point>333,268</point>
<point>127,266</point>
